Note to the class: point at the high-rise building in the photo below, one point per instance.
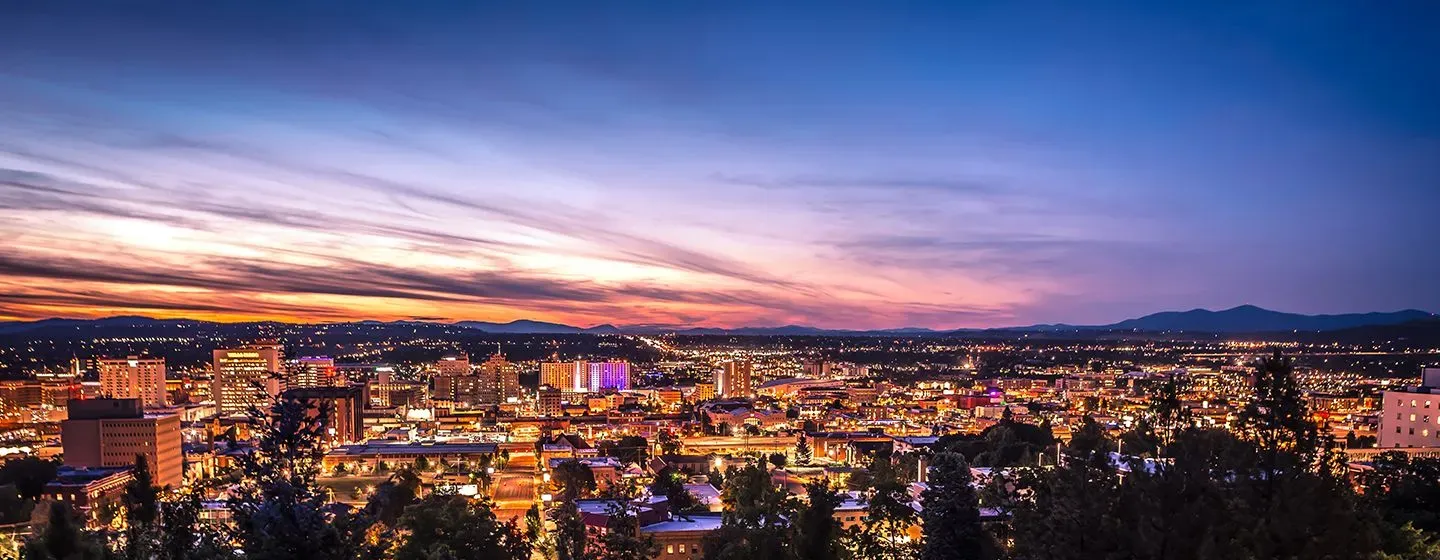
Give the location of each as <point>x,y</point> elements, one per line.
<point>734,379</point>
<point>245,377</point>
<point>344,421</point>
<point>503,376</point>
<point>112,432</point>
<point>134,377</point>
<point>549,401</point>
<point>453,365</point>
<point>314,371</point>
<point>566,376</point>
<point>609,375</point>
<point>1411,417</point>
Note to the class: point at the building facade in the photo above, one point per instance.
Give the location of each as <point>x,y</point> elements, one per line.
<point>134,377</point>
<point>612,375</point>
<point>245,377</point>
<point>1411,417</point>
<point>735,379</point>
<point>105,433</point>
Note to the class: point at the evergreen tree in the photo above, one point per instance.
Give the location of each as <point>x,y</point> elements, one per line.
<point>64,538</point>
<point>951,514</point>
<point>888,516</point>
<point>142,512</point>
<point>280,512</point>
<point>803,454</point>
<point>183,535</point>
<point>755,523</point>
<point>817,533</point>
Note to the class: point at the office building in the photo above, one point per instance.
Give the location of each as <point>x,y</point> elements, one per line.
<point>344,407</point>
<point>134,377</point>
<point>549,401</point>
<point>565,376</point>
<point>104,433</point>
<point>735,380</point>
<point>314,371</point>
<point>503,376</point>
<point>453,366</point>
<point>1411,417</point>
<point>612,375</point>
<point>245,377</point>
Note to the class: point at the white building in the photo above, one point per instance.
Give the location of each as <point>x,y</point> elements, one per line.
<point>1411,417</point>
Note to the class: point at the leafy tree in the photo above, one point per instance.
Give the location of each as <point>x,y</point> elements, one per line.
<point>754,525</point>
<point>570,538</point>
<point>888,515</point>
<point>574,479</point>
<point>803,454</point>
<point>669,444</point>
<point>671,484</point>
<point>422,464</point>
<point>540,541</point>
<point>777,459</point>
<point>622,539</point>
<point>392,497</point>
<point>817,533</point>
<point>951,514</point>
<point>1405,489</point>
<point>628,449</point>
<point>454,527</point>
<point>29,475</point>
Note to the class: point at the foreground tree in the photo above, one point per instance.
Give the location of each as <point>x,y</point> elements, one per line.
<point>951,513</point>
<point>64,538</point>
<point>622,539</point>
<point>817,533</point>
<point>670,483</point>
<point>888,516</point>
<point>280,512</point>
<point>452,527</point>
<point>755,523</point>
<point>142,512</point>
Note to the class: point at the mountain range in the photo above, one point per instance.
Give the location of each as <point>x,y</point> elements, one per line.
<point>1242,319</point>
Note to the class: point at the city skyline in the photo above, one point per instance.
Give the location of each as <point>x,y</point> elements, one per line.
<point>954,166</point>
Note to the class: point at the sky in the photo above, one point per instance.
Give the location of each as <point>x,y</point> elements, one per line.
<point>836,164</point>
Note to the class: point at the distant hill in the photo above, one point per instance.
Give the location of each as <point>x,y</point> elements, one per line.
<point>1237,320</point>
<point>1245,319</point>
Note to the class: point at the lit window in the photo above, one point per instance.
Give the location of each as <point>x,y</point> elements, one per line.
<point>670,549</point>
<point>682,549</point>
<point>1412,417</point>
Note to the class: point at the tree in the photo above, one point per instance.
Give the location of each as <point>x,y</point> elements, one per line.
<point>454,527</point>
<point>888,515</point>
<point>574,479</point>
<point>628,449</point>
<point>570,538</point>
<point>777,459</point>
<point>392,497</point>
<point>422,464</point>
<point>622,539</point>
<point>817,533</point>
<point>951,514</point>
<point>669,444</point>
<point>63,538</point>
<point>142,511</point>
<point>754,525</point>
<point>183,535</point>
<point>29,475</point>
<point>1405,490</point>
<point>671,484</point>
<point>280,512</point>
<point>803,455</point>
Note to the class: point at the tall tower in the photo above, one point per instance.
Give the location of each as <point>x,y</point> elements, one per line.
<point>501,379</point>
<point>734,379</point>
<point>245,377</point>
<point>134,377</point>
<point>609,375</point>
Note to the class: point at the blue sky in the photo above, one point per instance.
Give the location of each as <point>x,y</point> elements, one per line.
<point>842,164</point>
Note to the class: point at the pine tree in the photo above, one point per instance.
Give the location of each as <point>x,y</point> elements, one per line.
<point>951,514</point>
<point>570,538</point>
<point>803,455</point>
<point>817,533</point>
<point>142,511</point>
<point>454,527</point>
<point>622,539</point>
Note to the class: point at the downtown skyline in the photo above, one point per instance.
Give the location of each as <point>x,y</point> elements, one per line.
<point>970,166</point>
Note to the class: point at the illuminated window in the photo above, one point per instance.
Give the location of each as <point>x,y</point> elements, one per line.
<point>682,549</point>
<point>670,549</point>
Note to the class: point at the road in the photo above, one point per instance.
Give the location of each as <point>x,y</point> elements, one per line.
<point>514,492</point>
